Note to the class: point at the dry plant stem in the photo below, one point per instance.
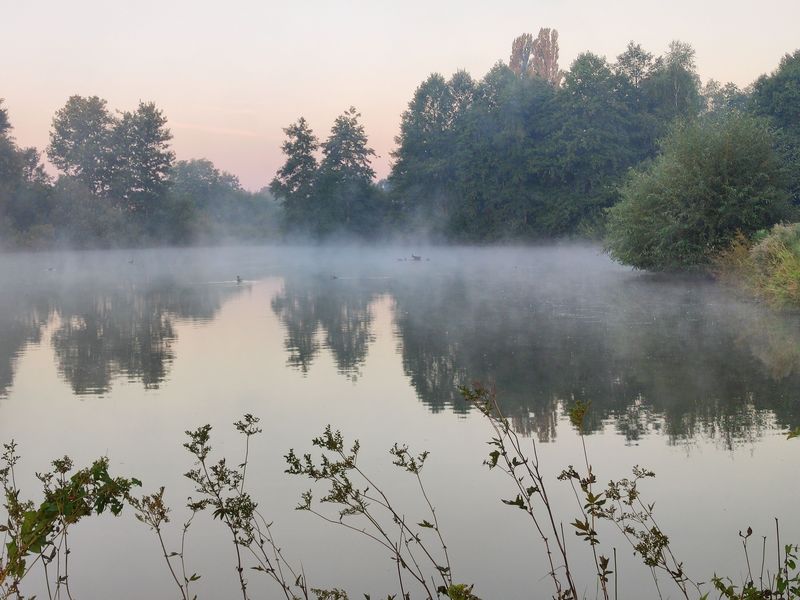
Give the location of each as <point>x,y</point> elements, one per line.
<point>600,576</point>
<point>186,526</point>
<point>435,524</point>
<point>778,541</point>
<point>66,562</point>
<point>747,561</point>
<point>387,505</point>
<point>184,593</point>
<point>239,568</point>
<point>383,501</point>
<point>400,571</point>
<point>504,431</point>
<point>681,579</point>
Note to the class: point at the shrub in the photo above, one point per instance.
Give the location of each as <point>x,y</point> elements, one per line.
<point>711,180</point>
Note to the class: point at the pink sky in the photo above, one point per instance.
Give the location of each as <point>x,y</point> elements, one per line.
<point>229,75</point>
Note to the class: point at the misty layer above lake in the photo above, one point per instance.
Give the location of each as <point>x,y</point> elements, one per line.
<point>546,326</point>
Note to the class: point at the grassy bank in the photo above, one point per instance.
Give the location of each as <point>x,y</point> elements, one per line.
<point>767,266</point>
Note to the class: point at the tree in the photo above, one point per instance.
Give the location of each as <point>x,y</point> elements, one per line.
<point>345,196</point>
<point>80,142</point>
<point>24,187</point>
<point>206,204</point>
<point>294,183</point>
<point>713,178</point>
<point>536,57</point>
<point>5,124</point>
<point>345,152</point>
<point>9,165</point>
<point>777,97</point>
<point>719,98</point>
<point>545,56</point>
<point>142,159</point>
<point>674,87</point>
<point>591,145</point>
<point>634,65</point>
<point>421,175</point>
<point>521,59</point>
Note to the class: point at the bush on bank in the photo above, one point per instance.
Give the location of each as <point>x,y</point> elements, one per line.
<point>768,265</point>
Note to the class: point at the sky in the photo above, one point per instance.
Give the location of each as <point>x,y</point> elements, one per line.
<point>229,75</point>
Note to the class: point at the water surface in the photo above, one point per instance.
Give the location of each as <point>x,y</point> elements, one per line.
<point>118,353</point>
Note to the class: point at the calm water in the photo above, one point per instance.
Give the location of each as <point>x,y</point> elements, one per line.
<point>119,353</point>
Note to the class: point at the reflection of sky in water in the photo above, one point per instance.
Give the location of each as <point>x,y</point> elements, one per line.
<point>99,360</point>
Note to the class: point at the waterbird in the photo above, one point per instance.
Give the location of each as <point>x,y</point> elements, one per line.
<point>415,257</point>
<point>238,279</point>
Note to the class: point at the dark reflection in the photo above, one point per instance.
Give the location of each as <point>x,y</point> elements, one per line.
<point>647,353</point>
<point>23,315</point>
<point>109,317</point>
<point>547,329</point>
<point>126,330</point>
<point>321,311</point>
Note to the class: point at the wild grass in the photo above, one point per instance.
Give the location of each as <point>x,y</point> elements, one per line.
<point>768,266</point>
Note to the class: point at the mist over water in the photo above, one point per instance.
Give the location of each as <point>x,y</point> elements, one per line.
<point>119,352</point>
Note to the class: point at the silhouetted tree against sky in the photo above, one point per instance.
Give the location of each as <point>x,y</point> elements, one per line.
<point>142,159</point>
<point>293,185</point>
<point>346,199</point>
<point>81,142</point>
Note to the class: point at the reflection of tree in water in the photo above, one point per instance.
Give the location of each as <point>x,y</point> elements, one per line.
<point>125,330</point>
<point>22,318</point>
<point>336,309</point>
<point>649,355</point>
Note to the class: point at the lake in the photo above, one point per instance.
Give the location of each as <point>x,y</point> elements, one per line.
<point>118,353</point>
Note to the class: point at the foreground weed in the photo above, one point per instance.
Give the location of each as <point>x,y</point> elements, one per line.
<point>38,534</point>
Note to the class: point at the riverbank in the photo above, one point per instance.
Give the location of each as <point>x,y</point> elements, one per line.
<point>768,266</point>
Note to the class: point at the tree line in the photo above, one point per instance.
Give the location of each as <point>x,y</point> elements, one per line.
<point>529,151</point>
<point>119,185</point>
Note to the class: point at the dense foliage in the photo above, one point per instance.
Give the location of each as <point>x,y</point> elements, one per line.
<point>119,185</point>
<point>335,195</point>
<point>529,151</point>
<point>768,265</point>
<point>712,180</point>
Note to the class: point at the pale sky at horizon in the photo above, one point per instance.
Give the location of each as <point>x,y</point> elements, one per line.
<point>230,75</point>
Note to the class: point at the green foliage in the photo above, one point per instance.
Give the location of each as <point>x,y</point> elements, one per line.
<point>338,195</point>
<point>294,182</point>
<point>768,266</point>
<point>527,157</point>
<point>40,532</point>
<point>81,143</point>
<point>712,180</point>
<point>777,97</point>
<point>205,204</point>
<point>142,160</point>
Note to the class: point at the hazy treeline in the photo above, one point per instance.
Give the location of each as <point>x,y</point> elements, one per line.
<point>120,185</point>
<point>531,151</point>
<point>528,151</point>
